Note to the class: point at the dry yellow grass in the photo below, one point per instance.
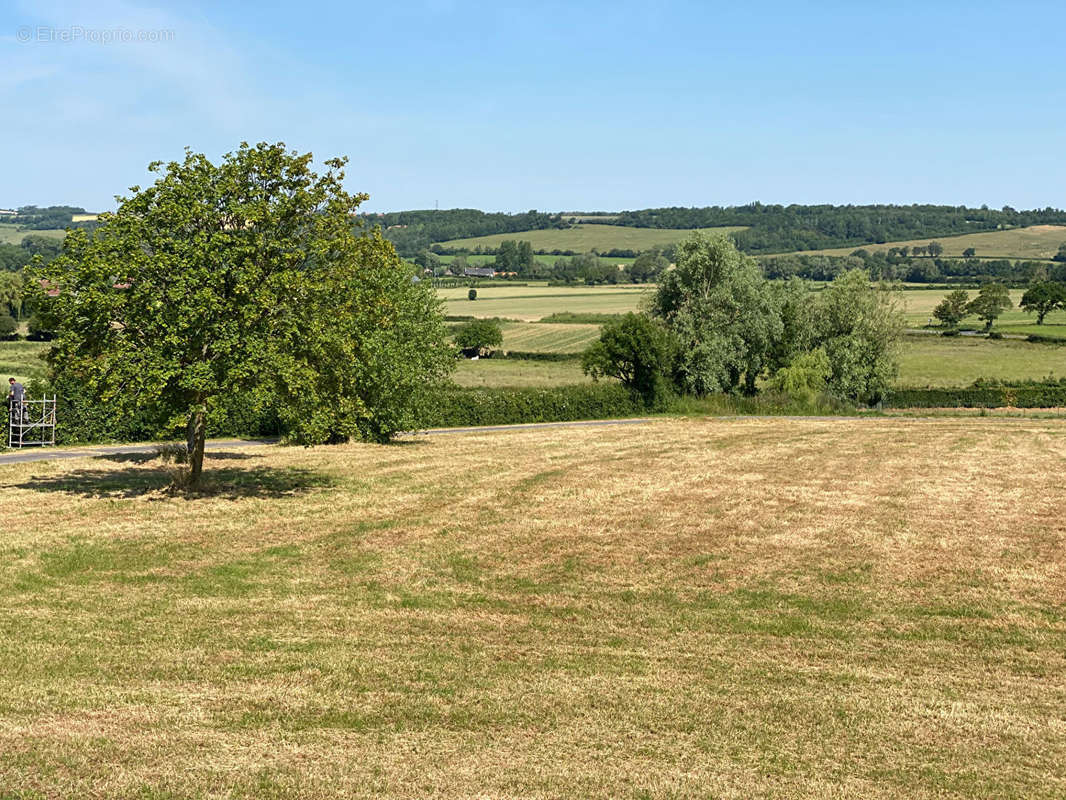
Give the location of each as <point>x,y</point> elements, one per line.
<point>735,608</point>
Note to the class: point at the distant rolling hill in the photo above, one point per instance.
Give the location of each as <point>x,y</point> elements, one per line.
<point>582,238</point>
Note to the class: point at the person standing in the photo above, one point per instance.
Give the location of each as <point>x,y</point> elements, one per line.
<point>16,398</point>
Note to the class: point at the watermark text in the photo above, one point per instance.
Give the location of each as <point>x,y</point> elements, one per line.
<point>76,34</point>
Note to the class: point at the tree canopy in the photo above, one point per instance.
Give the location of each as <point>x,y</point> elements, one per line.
<point>637,350</point>
<point>246,279</point>
<point>722,312</point>
<point>1043,298</point>
<point>718,325</point>
<point>991,301</point>
<point>954,308</point>
<point>859,326</point>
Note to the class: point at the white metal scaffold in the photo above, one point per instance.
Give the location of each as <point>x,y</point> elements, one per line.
<point>32,423</point>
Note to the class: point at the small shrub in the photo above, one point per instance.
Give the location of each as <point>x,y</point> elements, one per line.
<point>951,332</point>
<point>472,294</point>
<point>995,335</point>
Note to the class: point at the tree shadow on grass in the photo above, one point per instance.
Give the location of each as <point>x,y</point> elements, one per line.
<point>145,457</point>
<point>162,481</point>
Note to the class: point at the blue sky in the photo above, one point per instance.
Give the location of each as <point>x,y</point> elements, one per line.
<point>554,106</point>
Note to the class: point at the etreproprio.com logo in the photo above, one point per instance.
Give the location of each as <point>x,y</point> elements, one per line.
<point>73,34</point>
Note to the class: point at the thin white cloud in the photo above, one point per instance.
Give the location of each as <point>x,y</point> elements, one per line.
<point>191,64</point>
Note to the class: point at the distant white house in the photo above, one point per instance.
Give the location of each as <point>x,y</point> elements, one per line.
<point>8,211</point>
<point>479,272</point>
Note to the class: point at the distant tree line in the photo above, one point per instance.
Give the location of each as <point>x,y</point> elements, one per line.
<point>768,228</point>
<point>590,268</point>
<point>482,250</point>
<point>911,265</point>
<point>33,218</point>
<point>14,257</point>
<point>777,228</point>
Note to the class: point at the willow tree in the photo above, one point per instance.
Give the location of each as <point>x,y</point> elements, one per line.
<point>246,278</point>
<point>724,314</point>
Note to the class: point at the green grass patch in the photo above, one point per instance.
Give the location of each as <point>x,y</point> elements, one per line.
<point>10,234</point>
<point>22,361</point>
<point>927,360</point>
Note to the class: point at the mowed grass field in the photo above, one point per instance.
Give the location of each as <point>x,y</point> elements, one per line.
<point>582,238</point>
<point>548,337</point>
<point>1035,242</point>
<point>530,303</point>
<point>733,608</point>
<point>515,373</point>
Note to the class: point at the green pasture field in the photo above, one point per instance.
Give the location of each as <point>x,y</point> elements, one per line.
<point>10,234</point>
<point>919,305</point>
<point>743,608</point>
<point>22,361</point>
<point>582,238</point>
<point>1034,242</point>
<point>530,303</point>
<point>927,360</point>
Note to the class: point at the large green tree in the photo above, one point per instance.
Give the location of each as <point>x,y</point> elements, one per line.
<point>637,350</point>
<point>722,311</point>
<point>479,336</point>
<point>246,278</point>
<point>858,324</point>
<point>991,301</point>
<point>953,309</point>
<point>1043,298</point>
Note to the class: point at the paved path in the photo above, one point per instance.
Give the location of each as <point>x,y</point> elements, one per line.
<point>92,451</point>
<point>55,454</point>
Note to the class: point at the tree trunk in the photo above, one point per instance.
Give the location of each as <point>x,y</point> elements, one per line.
<point>195,435</point>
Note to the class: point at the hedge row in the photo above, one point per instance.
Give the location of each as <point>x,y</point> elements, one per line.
<point>520,355</point>
<point>470,407</point>
<point>1030,395</point>
<point>83,419</point>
